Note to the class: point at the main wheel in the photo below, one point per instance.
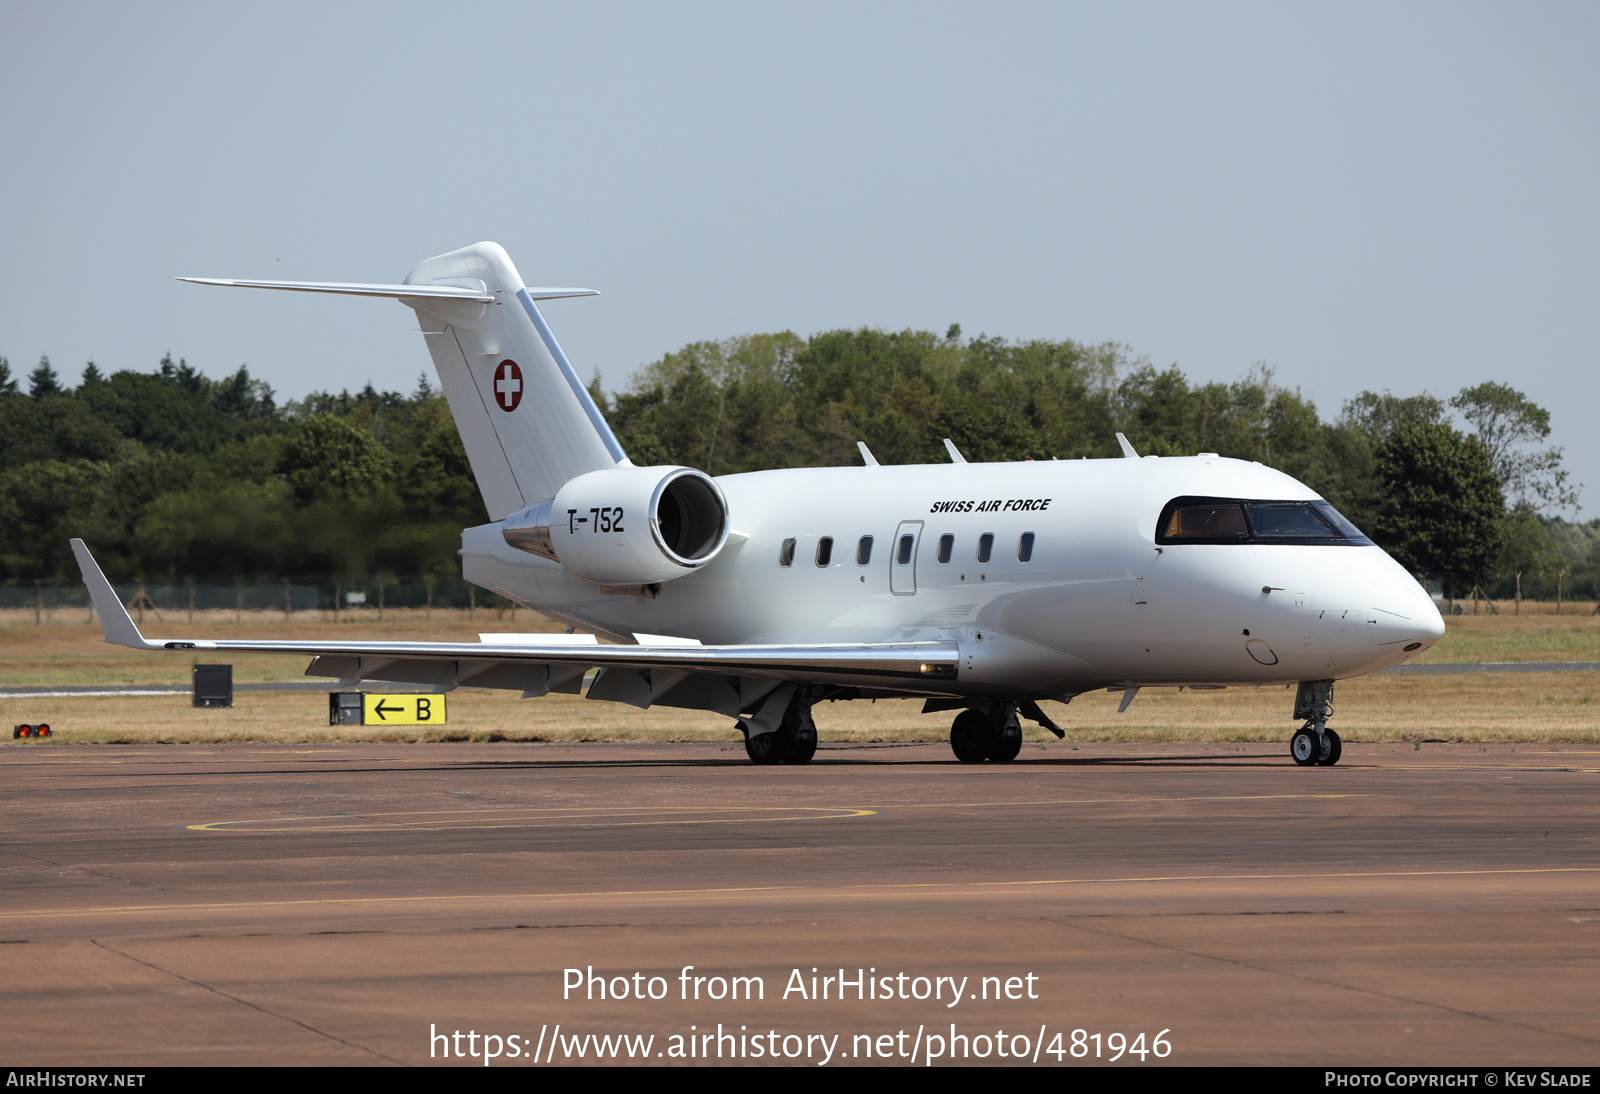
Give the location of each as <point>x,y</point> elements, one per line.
<point>1330,749</point>
<point>768,748</point>
<point>968,737</point>
<point>1305,748</point>
<point>1006,741</point>
<point>802,742</point>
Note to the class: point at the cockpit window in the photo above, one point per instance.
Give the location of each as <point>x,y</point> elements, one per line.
<point>1337,519</point>
<point>1239,520</point>
<point>1191,522</point>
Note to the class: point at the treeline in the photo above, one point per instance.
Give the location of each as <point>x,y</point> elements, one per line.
<point>171,473</point>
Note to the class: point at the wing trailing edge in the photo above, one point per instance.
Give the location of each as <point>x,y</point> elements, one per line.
<point>460,661</point>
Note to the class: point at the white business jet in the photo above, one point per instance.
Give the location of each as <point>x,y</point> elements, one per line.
<point>981,588</point>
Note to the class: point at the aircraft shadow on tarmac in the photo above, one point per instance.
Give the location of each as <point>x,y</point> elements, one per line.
<point>823,759</point>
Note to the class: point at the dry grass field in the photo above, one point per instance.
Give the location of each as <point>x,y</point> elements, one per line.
<point>1532,707</point>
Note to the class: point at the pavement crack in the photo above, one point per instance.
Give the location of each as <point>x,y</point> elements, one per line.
<point>1236,962</point>
<point>246,1003</point>
<point>83,870</point>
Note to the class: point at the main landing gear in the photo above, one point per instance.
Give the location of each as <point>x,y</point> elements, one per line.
<point>989,729</point>
<point>793,742</point>
<point>1314,744</point>
<point>996,736</point>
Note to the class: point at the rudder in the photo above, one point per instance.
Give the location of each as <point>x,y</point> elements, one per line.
<point>526,420</point>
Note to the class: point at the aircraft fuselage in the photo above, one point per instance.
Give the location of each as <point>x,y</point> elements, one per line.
<point>1097,602</point>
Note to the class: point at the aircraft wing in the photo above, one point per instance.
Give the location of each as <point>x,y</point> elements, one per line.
<point>639,674</point>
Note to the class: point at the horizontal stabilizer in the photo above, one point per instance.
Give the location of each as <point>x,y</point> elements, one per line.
<point>399,292</point>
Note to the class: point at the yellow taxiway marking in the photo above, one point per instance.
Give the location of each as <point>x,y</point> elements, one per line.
<point>976,888</point>
<point>1132,799</point>
<point>533,818</point>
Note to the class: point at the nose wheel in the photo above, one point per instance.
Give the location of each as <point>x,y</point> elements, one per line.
<point>1312,749</point>
<point>1314,744</point>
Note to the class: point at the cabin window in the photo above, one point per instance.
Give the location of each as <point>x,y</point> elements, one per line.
<point>824,550</point>
<point>1025,548</point>
<point>903,556</point>
<point>786,553</point>
<point>947,543</point>
<point>864,551</point>
<point>985,546</point>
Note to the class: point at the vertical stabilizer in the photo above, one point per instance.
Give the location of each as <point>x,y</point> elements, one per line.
<point>526,420</point>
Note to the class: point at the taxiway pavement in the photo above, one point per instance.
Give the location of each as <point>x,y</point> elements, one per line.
<point>288,904</point>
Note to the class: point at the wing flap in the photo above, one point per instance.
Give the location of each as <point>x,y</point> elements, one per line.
<point>444,663</point>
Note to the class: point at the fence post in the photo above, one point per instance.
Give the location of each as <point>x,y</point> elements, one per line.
<point>336,594</point>
<point>472,602</point>
<point>189,581</point>
<point>286,600</point>
<point>427,608</point>
<point>38,602</point>
<point>238,598</point>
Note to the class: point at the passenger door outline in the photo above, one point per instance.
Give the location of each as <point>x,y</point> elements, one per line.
<point>903,575</point>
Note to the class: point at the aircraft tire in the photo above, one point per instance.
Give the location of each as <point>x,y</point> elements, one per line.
<point>968,737</point>
<point>802,745</point>
<point>1005,743</point>
<point>1305,748</point>
<point>1331,749</point>
<point>768,748</point>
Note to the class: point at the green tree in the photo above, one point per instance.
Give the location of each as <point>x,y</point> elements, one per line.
<point>1443,514</point>
<point>1505,420</point>
<point>326,459</point>
<point>43,381</point>
<point>1530,551</point>
<point>1377,415</point>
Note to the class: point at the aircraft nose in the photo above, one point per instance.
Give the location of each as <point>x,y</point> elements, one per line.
<point>1432,623</point>
<point>1422,624</point>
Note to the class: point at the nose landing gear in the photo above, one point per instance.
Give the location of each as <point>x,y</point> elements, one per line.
<point>1314,744</point>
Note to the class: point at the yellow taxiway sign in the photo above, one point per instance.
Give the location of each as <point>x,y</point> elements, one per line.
<point>402,710</point>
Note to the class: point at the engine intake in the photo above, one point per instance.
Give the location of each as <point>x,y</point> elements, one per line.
<point>627,525</point>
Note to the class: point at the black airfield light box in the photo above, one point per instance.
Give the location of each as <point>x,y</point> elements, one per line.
<point>213,685</point>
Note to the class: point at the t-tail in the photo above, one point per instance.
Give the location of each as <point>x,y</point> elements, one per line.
<point>526,420</point>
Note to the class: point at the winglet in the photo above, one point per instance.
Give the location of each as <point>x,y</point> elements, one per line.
<point>866,454</point>
<point>1127,449</point>
<point>955,456</point>
<point>119,625</point>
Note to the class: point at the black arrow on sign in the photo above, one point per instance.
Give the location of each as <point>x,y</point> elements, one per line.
<point>380,708</point>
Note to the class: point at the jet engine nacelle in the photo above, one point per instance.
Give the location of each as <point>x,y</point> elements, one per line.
<point>627,525</point>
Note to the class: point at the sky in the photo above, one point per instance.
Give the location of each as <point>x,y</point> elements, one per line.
<point>1395,196</point>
